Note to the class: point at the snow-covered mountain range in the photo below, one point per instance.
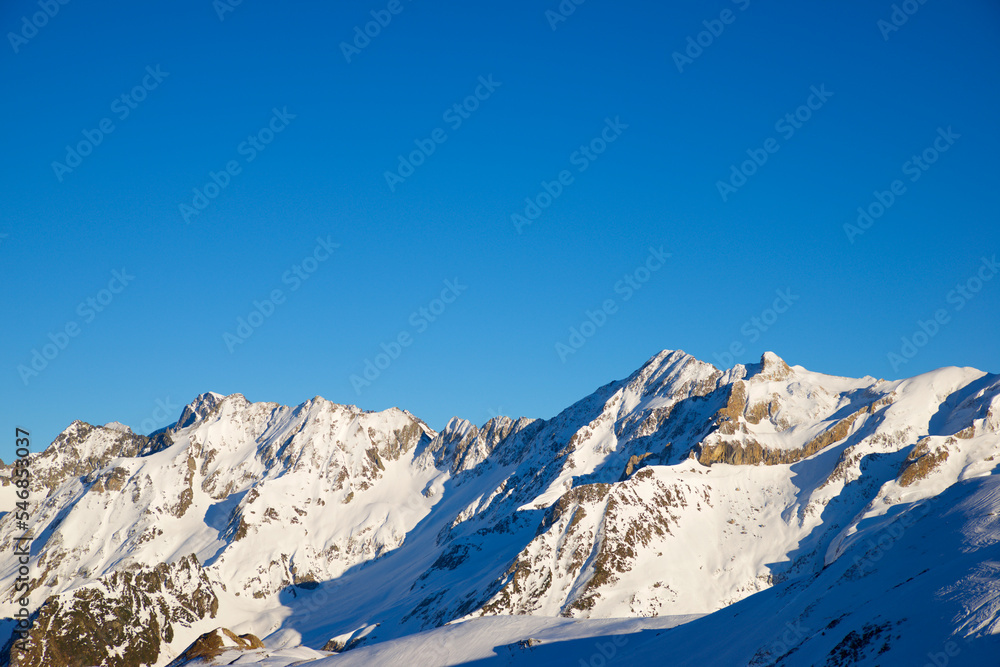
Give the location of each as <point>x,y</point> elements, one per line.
<point>763,515</point>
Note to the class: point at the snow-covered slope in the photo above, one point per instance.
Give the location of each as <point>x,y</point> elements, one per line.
<point>745,498</point>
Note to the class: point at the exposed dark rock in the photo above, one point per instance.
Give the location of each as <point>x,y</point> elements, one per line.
<point>213,644</point>
<point>120,621</point>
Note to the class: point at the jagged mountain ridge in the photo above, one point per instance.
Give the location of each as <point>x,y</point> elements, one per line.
<point>615,507</point>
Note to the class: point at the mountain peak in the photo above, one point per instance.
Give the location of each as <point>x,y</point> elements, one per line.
<point>771,367</point>
<point>673,371</point>
<point>665,357</point>
<point>118,426</point>
<point>199,408</point>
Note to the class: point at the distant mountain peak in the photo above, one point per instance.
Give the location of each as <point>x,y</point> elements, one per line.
<point>118,426</point>
<point>772,367</point>
<point>199,408</point>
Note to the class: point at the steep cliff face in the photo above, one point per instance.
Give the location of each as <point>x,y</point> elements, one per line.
<point>681,489</point>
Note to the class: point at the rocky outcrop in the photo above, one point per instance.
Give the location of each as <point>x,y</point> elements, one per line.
<point>922,460</point>
<point>751,452</point>
<point>772,368</point>
<point>587,541</point>
<point>461,446</point>
<point>199,409</point>
<point>120,621</point>
<point>81,450</point>
<point>213,644</point>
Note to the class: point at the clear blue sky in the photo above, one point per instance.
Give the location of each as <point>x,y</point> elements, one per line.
<point>608,68</point>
